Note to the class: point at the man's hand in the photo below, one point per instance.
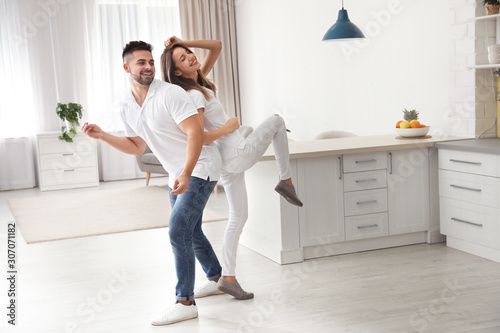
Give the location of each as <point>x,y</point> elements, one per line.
<point>93,131</point>
<point>232,124</point>
<point>181,184</point>
<point>172,40</point>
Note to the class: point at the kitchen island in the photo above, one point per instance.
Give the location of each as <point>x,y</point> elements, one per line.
<point>359,193</point>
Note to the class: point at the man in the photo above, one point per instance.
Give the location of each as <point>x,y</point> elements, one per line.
<point>162,116</point>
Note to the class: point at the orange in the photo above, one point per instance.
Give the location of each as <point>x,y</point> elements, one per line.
<point>397,124</point>
<point>422,126</point>
<point>415,124</point>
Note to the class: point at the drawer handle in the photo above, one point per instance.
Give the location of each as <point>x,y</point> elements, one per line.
<point>340,167</point>
<point>69,170</point>
<point>366,161</point>
<point>466,188</point>
<point>366,180</point>
<point>365,202</point>
<point>466,162</point>
<point>463,221</point>
<point>68,154</point>
<point>390,162</point>
<point>367,226</point>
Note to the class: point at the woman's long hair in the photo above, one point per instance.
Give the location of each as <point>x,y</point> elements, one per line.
<point>168,74</point>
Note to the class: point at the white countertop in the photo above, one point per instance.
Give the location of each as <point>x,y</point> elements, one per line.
<point>357,144</point>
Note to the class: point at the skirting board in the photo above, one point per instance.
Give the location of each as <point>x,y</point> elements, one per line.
<point>288,256</point>
<point>435,236</point>
<point>364,245</point>
<point>475,249</point>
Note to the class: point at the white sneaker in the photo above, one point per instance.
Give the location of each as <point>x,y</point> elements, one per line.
<point>175,313</point>
<point>207,289</point>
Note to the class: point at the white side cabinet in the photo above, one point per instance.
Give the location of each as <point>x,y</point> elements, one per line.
<point>469,185</point>
<point>63,165</point>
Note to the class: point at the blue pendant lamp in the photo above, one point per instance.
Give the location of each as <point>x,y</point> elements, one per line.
<point>343,29</point>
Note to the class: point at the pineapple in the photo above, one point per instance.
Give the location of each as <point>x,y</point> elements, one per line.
<point>410,115</point>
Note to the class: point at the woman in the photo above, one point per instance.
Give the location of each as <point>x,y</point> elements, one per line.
<point>180,66</point>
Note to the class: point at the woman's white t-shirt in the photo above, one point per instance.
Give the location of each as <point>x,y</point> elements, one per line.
<point>215,117</point>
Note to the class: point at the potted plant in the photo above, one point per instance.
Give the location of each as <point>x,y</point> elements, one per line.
<point>492,6</point>
<point>71,114</point>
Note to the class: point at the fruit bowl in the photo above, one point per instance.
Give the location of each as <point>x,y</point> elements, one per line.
<point>413,132</point>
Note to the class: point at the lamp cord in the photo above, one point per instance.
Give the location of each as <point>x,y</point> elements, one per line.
<point>342,4</point>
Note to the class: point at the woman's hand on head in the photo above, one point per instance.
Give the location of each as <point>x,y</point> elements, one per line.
<point>232,124</point>
<point>172,40</point>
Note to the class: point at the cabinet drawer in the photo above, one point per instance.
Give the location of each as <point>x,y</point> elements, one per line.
<point>468,187</point>
<point>469,162</point>
<point>51,145</point>
<point>366,180</point>
<point>366,226</point>
<point>365,202</point>
<point>469,222</point>
<point>67,160</point>
<point>364,162</point>
<point>69,176</point>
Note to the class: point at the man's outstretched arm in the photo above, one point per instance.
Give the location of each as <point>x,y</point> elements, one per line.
<point>129,145</point>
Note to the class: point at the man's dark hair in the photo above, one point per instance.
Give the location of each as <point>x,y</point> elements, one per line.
<point>134,46</point>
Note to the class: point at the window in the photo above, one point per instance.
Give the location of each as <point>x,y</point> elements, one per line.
<point>118,22</point>
<point>17,117</point>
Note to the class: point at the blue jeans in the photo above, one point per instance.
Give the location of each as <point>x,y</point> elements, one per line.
<point>187,238</point>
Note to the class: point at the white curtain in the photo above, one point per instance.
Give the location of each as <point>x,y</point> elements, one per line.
<point>17,111</point>
<point>215,19</point>
<point>119,22</point>
<point>70,51</point>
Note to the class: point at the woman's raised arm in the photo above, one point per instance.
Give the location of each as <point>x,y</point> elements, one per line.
<point>213,46</point>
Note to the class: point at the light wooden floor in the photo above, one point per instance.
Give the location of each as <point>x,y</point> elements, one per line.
<point>115,283</point>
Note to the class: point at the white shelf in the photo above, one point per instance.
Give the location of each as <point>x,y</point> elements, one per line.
<point>496,18</point>
<point>487,66</point>
<point>487,17</point>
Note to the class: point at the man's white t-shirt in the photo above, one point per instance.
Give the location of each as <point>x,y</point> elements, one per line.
<point>215,117</point>
<point>156,122</point>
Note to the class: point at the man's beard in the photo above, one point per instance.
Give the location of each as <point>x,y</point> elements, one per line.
<point>141,81</point>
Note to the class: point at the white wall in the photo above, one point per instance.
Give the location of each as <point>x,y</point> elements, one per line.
<point>353,86</point>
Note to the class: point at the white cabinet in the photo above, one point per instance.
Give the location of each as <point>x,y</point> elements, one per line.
<point>365,195</point>
<point>469,162</point>
<point>364,162</point>
<point>64,165</point>
<point>365,202</point>
<point>469,201</point>
<point>479,189</point>
<point>469,222</point>
<point>323,201</point>
<point>357,200</point>
<point>366,226</point>
<point>366,180</point>
<point>408,190</point>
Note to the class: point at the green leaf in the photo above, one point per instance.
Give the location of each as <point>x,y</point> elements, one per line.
<point>72,113</point>
<point>491,2</point>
